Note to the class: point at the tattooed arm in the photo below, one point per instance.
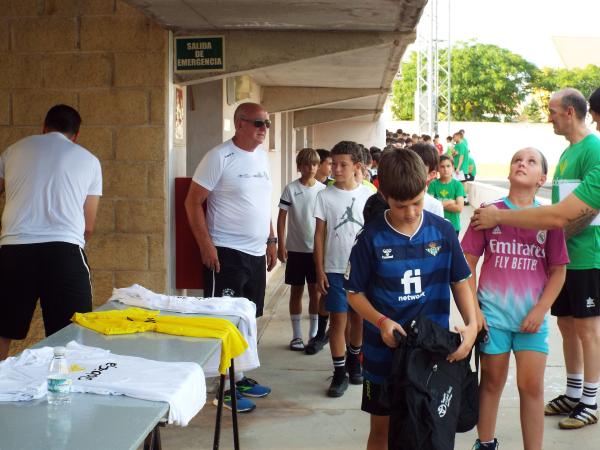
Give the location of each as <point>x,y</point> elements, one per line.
<point>572,214</point>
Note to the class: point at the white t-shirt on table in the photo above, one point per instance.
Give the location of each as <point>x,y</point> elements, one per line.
<point>239,204</point>
<point>343,212</point>
<point>47,179</point>
<point>299,202</point>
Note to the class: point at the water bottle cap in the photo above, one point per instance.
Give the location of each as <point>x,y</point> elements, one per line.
<point>59,351</point>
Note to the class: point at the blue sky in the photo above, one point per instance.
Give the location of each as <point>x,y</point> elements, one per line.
<point>525,27</point>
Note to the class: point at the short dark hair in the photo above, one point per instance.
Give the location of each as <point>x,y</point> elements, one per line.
<point>446,157</point>
<point>323,154</point>
<point>402,174</point>
<point>376,157</point>
<point>595,101</point>
<point>373,149</point>
<point>348,148</point>
<point>572,97</point>
<point>428,154</point>
<point>307,156</point>
<point>64,119</point>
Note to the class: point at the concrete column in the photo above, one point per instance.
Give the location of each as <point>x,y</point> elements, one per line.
<point>204,121</point>
<point>300,138</point>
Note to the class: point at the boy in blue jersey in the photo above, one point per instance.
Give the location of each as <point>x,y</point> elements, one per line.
<point>403,264</point>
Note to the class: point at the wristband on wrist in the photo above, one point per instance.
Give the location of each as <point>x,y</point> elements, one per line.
<point>272,240</point>
<point>381,320</point>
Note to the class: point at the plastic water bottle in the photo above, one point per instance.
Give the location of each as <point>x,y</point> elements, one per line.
<point>59,383</point>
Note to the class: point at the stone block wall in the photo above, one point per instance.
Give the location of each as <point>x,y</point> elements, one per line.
<point>109,61</point>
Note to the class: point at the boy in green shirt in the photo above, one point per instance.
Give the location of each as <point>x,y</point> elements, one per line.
<point>449,191</point>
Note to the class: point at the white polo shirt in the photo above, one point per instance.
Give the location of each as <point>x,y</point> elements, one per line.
<point>239,204</point>
<point>47,179</point>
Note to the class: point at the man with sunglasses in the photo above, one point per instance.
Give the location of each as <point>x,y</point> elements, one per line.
<point>235,235</point>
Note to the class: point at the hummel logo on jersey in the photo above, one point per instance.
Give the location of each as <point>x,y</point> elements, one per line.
<point>590,302</point>
<point>229,154</point>
<point>387,253</point>
<point>497,230</point>
<point>433,249</point>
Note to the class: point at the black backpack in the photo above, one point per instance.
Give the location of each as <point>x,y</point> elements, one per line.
<point>430,398</point>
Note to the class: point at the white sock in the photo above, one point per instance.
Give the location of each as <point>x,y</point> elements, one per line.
<point>589,393</point>
<point>314,324</point>
<point>296,325</point>
<point>574,385</point>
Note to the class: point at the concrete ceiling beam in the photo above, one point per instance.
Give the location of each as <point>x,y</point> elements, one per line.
<point>246,51</point>
<point>307,117</point>
<point>292,98</point>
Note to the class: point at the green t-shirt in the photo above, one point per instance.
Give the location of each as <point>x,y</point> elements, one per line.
<point>472,166</point>
<point>463,150</point>
<point>448,191</point>
<point>589,191</point>
<point>575,164</point>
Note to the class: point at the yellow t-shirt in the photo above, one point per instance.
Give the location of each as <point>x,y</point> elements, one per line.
<point>137,320</point>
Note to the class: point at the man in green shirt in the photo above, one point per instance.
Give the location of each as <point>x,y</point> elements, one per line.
<point>576,198</point>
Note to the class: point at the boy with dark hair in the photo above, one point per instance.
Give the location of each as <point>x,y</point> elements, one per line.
<point>390,279</point>
<point>324,170</point>
<point>449,191</point>
<point>376,204</point>
<point>339,217</point>
<point>297,204</point>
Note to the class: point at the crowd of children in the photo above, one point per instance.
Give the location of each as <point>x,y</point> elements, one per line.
<point>367,235</point>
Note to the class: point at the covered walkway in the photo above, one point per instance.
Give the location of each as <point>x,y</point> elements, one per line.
<point>298,415</point>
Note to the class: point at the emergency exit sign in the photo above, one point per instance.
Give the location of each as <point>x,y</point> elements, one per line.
<point>199,54</point>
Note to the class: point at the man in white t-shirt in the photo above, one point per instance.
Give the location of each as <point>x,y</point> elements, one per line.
<point>53,187</point>
<point>235,235</point>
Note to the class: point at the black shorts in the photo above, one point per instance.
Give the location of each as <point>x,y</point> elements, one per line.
<point>300,268</point>
<point>55,272</point>
<point>580,295</point>
<point>371,399</point>
<point>240,275</point>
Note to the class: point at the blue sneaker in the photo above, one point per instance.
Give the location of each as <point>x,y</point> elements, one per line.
<point>250,388</point>
<point>243,404</point>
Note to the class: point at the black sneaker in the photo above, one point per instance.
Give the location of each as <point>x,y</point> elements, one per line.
<point>354,370</point>
<point>492,446</point>
<point>316,344</point>
<point>338,386</point>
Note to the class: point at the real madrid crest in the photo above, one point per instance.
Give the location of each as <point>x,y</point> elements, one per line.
<point>541,236</point>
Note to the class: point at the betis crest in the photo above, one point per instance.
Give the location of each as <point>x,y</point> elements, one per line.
<point>433,249</point>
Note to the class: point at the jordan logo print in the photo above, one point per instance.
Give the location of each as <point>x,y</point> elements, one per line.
<point>348,216</point>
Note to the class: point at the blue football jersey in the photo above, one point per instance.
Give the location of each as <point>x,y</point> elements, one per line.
<point>403,277</point>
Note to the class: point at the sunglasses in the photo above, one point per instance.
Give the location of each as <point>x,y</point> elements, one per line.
<point>259,123</point>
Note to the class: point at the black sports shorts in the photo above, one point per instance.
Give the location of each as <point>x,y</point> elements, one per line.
<point>300,269</point>
<point>240,275</point>
<point>580,295</point>
<point>55,272</point>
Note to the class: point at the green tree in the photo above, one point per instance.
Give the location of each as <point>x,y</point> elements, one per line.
<point>404,88</point>
<point>488,83</point>
<point>549,80</point>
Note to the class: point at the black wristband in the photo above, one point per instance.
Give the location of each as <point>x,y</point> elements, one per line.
<point>272,240</point>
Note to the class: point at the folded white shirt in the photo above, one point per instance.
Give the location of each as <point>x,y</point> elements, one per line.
<point>98,371</point>
<point>243,308</point>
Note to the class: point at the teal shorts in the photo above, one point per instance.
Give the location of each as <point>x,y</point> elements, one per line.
<point>503,341</point>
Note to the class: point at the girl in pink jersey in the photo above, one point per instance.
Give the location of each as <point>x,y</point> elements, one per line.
<point>521,276</point>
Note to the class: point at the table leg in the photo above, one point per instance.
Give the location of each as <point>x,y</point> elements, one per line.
<point>219,412</point>
<point>152,441</point>
<point>236,439</point>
